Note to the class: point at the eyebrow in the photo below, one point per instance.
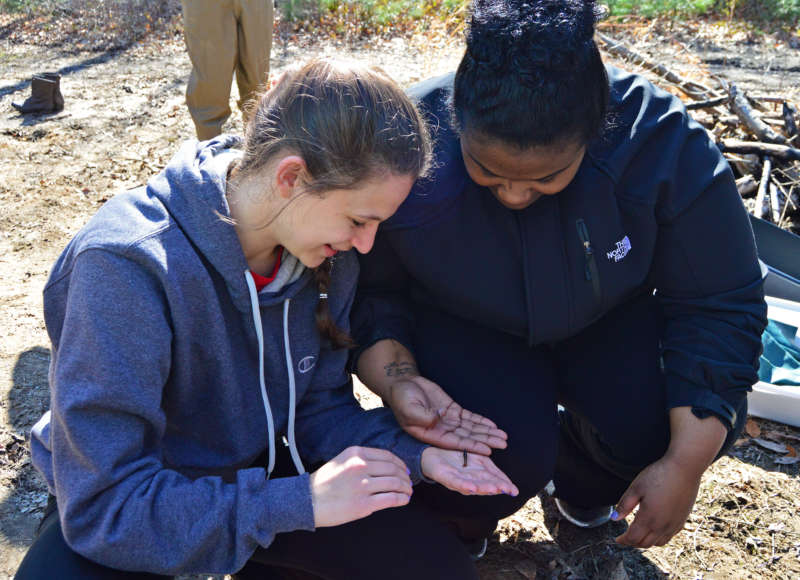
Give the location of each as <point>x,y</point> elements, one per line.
<point>369,217</point>
<point>493,174</point>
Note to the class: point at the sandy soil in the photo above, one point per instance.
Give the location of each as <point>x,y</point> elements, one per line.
<point>124,118</point>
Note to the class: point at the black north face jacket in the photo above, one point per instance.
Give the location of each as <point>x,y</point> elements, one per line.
<point>653,207</point>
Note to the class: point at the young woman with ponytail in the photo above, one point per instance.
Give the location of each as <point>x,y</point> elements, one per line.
<point>202,419</point>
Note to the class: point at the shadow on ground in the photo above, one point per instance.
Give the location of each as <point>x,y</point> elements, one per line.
<point>28,399</point>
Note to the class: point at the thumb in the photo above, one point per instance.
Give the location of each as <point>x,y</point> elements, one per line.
<point>629,500</point>
<point>417,413</point>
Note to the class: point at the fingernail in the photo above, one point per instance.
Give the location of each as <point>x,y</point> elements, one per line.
<point>614,515</point>
<point>440,412</point>
<point>408,471</point>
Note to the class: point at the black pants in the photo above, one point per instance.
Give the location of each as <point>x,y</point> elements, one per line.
<point>608,378</point>
<point>398,543</point>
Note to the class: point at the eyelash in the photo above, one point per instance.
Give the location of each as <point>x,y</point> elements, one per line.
<point>357,223</point>
<point>545,180</point>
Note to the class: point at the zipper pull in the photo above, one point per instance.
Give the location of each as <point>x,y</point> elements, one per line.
<point>588,253</point>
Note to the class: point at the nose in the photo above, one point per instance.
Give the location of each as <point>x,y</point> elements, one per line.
<point>364,238</point>
<point>515,192</point>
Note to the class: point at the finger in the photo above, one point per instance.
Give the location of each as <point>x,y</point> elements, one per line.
<point>454,482</point>
<point>495,486</point>
<point>629,500</point>
<point>635,534</point>
<point>485,467</point>
<point>381,501</point>
<point>448,440</point>
<point>648,541</point>
<point>463,439</point>
<point>503,481</point>
<point>386,484</point>
<point>372,454</point>
<point>479,420</point>
<point>376,468</point>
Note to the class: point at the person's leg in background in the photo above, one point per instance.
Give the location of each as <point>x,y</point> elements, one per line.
<point>210,31</point>
<point>500,377</point>
<point>612,387</point>
<point>254,45</point>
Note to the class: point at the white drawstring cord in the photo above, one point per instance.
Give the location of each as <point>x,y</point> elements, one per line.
<point>298,464</point>
<point>251,285</point>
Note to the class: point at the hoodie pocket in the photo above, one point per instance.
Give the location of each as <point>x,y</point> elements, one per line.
<point>590,271</point>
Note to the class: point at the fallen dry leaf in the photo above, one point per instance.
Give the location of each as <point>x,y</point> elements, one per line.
<point>752,428</point>
<point>792,450</point>
<point>771,445</point>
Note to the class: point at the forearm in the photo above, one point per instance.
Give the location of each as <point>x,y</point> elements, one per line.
<point>694,442</point>
<point>382,364</point>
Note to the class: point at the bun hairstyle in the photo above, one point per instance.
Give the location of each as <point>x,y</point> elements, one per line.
<point>531,74</point>
<point>348,123</point>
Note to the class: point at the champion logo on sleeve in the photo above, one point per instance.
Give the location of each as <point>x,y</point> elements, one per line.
<point>622,249</point>
<point>306,363</point>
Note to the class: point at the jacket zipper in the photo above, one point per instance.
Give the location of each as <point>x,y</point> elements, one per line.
<point>589,264</point>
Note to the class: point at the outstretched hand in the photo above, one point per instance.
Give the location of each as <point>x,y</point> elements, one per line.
<point>665,492</point>
<point>480,476</point>
<point>429,414</point>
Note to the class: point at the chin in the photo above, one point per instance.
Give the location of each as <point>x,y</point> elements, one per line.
<point>313,263</point>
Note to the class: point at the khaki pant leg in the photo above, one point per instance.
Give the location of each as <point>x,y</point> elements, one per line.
<point>255,44</point>
<point>210,34</point>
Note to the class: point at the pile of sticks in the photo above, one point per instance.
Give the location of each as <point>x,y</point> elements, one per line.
<point>758,136</point>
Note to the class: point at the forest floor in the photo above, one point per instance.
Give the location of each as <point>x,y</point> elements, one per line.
<point>124,118</point>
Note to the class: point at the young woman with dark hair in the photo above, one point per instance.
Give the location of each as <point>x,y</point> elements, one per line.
<point>579,243</point>
<point>185,348</point>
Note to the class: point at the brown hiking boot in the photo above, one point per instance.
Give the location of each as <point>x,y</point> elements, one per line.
<point>45,96</point>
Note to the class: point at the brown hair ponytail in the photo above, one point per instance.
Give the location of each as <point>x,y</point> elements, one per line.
<point>349,123</point>
<point>325,324</point>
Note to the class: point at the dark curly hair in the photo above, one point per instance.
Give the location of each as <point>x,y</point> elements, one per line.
<point>531,74</point>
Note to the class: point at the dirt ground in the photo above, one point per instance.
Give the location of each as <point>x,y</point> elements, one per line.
<point>123,119</point>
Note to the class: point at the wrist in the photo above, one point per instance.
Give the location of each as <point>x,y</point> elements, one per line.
<point>694,442</point>
<point>425,463</point>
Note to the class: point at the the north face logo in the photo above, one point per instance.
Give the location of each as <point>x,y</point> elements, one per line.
<point>622,249</point>
<point>306,363</point>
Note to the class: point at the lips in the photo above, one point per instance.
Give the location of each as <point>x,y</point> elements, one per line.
<point>329,251</point>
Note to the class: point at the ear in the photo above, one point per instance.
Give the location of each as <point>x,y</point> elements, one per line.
<point>289,175</point>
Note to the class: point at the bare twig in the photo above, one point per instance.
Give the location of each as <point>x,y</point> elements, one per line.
<point>739,105</point>
<point>783,152</point>
<point>692,89</point>
<point>789,113</point>
<point>746,185</point>
<point>786,203</point>
<point>707,104</point>
<point>777,203</point>
<point>761,209</point>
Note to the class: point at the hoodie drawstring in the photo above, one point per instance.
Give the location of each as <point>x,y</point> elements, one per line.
<point>251,286</point>
<point>292,390</point>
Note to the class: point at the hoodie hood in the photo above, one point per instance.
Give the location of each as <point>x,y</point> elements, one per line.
<point>192,188</point>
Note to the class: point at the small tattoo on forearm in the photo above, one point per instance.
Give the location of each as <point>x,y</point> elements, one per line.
<point>396,369</point>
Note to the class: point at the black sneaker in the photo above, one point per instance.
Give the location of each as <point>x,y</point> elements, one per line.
<point>585,517</point>
<point>476,548</point>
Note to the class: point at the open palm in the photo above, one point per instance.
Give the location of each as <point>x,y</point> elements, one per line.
<point>429,414</point>
<point>479,477</point>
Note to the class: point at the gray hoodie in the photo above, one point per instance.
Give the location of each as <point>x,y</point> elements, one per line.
<point>174,375</point>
